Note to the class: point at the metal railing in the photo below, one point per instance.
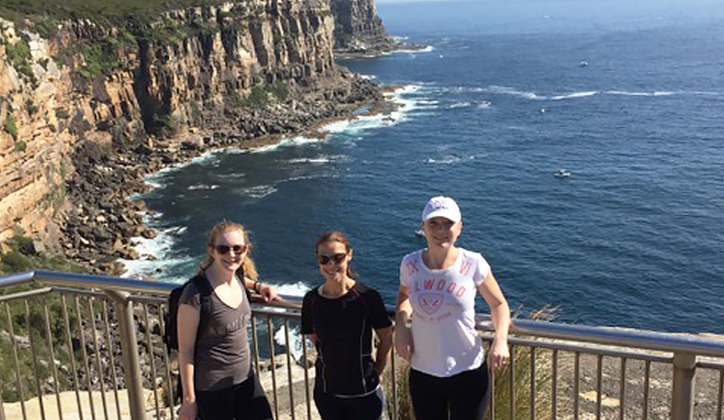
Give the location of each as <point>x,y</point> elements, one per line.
<point>90,347</point>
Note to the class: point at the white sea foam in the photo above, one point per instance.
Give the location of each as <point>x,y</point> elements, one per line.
<point>428,48</point>
<point>307,177</point>
<point>507,90</point>
<point>368,76</point>
<point>207,158</point>
<point>485,105</point>
<point>450,159</point>
<point>427,102</point>
<point>704,93</point>
<point>298,289</point>
<point>202,187</point>
<point>286,142</point>
<point>295,290</point>
<point>628,93</point>
<point>157,179</point>
<point>159,248</point>
<point>264,149</point>
<point>310,160</point>
<point>295,341</point>
<point>462,104</point>
<point>365,122</point>
<point>575,95</point>
<point>259,191</point>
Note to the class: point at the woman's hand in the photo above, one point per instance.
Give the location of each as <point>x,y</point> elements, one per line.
<point>403,342</point>
<point>403,334</point>
<point>499,354</point>
<point>188,411</point>
<point>269,293</point>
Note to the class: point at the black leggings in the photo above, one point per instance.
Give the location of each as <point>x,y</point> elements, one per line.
<point>368,407</point>
<point>243,401</point>
<point>464,396</point>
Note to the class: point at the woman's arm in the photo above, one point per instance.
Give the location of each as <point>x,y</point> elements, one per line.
<point>187,324</point>
<point>267,291</point>
<point>500,315</point>
<point>383,349</point>
<point>403,335</point>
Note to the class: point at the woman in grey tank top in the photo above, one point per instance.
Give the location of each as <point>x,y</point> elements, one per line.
<point>214,356</point>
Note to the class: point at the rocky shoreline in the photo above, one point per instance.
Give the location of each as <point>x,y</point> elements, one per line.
<point>101,222</point>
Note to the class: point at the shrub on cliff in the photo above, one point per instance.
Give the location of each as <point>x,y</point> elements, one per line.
<point>100,58</point>
<point>10,126</point>
<point>20,57</point>
<point>23,254</point>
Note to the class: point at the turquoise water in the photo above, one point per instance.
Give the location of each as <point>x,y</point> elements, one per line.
<point>489,114</point>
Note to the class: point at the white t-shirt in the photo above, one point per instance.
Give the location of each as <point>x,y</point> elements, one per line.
<point>443,313</point>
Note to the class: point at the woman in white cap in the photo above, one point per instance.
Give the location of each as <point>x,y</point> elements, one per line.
<point>449,373</point>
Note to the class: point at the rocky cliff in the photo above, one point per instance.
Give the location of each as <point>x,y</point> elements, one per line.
<point>359,28</point>
<point>87,109</point>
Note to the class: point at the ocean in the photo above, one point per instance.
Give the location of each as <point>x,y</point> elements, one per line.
<point>625,95</point>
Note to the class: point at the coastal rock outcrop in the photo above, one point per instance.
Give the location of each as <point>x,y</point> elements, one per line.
<point>88,109</point>
<point>359,29</point>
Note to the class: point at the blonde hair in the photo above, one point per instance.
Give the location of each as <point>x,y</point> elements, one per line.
<point>247,265</point>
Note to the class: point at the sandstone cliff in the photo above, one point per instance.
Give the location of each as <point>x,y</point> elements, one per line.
<point>88,108</point>
<point>359,28</point>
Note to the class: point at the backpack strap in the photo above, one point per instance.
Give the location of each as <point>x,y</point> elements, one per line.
<point>205,291</point>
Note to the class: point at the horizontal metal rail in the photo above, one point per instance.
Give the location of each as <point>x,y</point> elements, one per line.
<point>537,349</point>
<point>582,333</point>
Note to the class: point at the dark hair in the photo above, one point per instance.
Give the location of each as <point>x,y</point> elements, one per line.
<point>248,266</point>
<point>337,236</point>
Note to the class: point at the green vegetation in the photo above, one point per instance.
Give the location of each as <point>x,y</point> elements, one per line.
<point>61,113</point>
<point>30,107</point>
<point>20,57</point>
<point>100,58</point>
<point>20,146</point>
<point>280,90</point>
<point>196,112</point>
<point>10,126</point>
<point>48,13</point>
<point>260,96</point>
<point>30,331</point>
<point>19,258</point>
<point>165,125</point>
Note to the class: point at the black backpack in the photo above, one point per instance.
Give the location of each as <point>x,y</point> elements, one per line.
<point>170,335</point>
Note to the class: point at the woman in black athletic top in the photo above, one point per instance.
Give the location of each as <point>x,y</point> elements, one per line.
<point>339,316</point>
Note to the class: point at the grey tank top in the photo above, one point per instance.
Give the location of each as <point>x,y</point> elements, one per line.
<point>221,358</point>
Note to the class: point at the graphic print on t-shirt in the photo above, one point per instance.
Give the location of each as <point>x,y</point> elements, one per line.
<point>430,302</point>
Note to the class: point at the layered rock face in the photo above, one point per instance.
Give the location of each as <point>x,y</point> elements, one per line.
<point>359,28</point>
<point>124,89</point>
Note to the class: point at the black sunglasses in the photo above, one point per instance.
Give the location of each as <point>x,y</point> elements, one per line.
<point>224,249</point>
<point>337,258</point>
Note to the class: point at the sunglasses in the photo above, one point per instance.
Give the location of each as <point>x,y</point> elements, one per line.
<point>337,258</point>
<point>224,249</point>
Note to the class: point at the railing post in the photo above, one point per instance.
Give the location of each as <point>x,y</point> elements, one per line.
<point>129,353</point>
<point>2,408</point>
<point>682,400</point>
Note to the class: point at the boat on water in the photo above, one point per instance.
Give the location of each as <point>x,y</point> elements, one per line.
<point>583,63</point>
<point>562,173</point>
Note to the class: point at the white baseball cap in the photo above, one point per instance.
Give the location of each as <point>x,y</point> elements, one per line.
<point>442,207</point>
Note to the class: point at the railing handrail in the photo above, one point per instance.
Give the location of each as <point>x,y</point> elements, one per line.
<point>667,342</point>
